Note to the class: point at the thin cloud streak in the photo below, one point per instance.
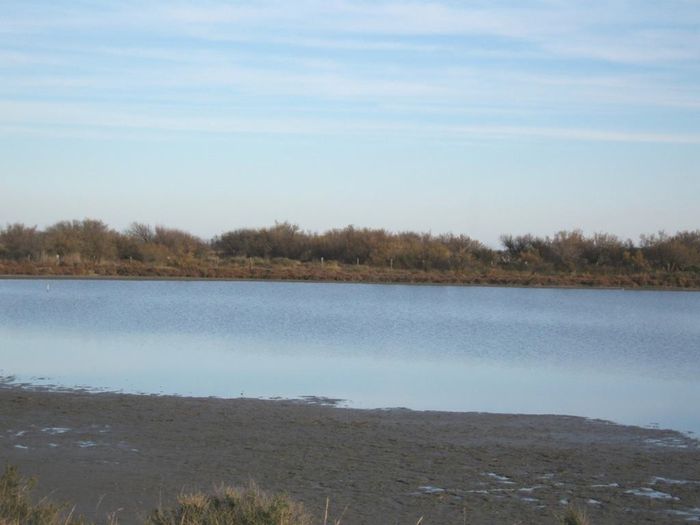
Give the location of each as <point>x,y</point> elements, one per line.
<point>574,29</point>
<point>37,117</point>
<point>478,87</point>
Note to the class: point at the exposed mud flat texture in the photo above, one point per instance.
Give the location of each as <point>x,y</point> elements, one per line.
<point>129,453</point>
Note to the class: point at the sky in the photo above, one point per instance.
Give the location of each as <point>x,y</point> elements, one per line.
<point>475,117</point>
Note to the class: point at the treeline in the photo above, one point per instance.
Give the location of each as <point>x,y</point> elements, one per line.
<point>92,242</point>
<point>350,245</point>
<point>89,240</point>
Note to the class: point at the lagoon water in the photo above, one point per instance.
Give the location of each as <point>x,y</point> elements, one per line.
<point>632,357</point>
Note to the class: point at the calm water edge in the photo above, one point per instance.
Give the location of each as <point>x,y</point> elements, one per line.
<point>631,357</point>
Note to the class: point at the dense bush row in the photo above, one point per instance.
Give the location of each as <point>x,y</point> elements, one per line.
<point>92,241</point>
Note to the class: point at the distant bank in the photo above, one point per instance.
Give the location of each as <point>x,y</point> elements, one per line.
<point>344,273</point>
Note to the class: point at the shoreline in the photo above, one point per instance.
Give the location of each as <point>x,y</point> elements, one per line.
<point>10,382</point>
<point>28,277</point>
<point>105,451</point>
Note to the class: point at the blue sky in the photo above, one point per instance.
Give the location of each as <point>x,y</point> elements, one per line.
<point>473,117</point>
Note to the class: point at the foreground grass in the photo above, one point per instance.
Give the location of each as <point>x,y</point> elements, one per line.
<point>575,516</point>
<point>16,507</point>
<point>226,506</point>
<point>248,506</point>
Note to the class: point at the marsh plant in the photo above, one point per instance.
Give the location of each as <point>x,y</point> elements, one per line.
<point>235,506</point>
<point>574,516</point>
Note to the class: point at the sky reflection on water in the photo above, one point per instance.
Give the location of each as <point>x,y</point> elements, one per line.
<point>631,357</point>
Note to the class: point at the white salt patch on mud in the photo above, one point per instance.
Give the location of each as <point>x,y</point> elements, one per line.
<point>530,500</point>
<point>605,486</point>
<point>592,501</point>
<point>86,444</point>
<point>429,489</point>
<point>22,447</point>
<point>530,489</point>
<point>669,481</point>
<point>55,430</point>
<point>670,442</point>
<point>690,515</point>
<point>650,493</point>
<point>499,478</point>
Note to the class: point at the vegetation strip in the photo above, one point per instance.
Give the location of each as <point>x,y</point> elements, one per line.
<point>283,251</point>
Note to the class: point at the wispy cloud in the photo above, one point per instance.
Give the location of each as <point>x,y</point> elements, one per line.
<point>614,31</point>
<point>636,31</point>
<point>550,68</point>
<point>54,118</point>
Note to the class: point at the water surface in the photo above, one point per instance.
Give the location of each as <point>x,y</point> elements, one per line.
<point>631,357</point>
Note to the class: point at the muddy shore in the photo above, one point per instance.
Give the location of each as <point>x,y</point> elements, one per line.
<point>130,453</point>
<point>311,272</point>
<point>476,284</point>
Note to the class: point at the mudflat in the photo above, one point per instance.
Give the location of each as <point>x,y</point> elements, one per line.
<point>127,454</point>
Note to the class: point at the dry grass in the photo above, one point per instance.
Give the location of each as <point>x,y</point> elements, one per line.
<point>232,506</point>
<point>574,516</point>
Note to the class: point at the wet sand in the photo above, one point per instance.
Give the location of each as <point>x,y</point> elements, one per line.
<point>130,453</point>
